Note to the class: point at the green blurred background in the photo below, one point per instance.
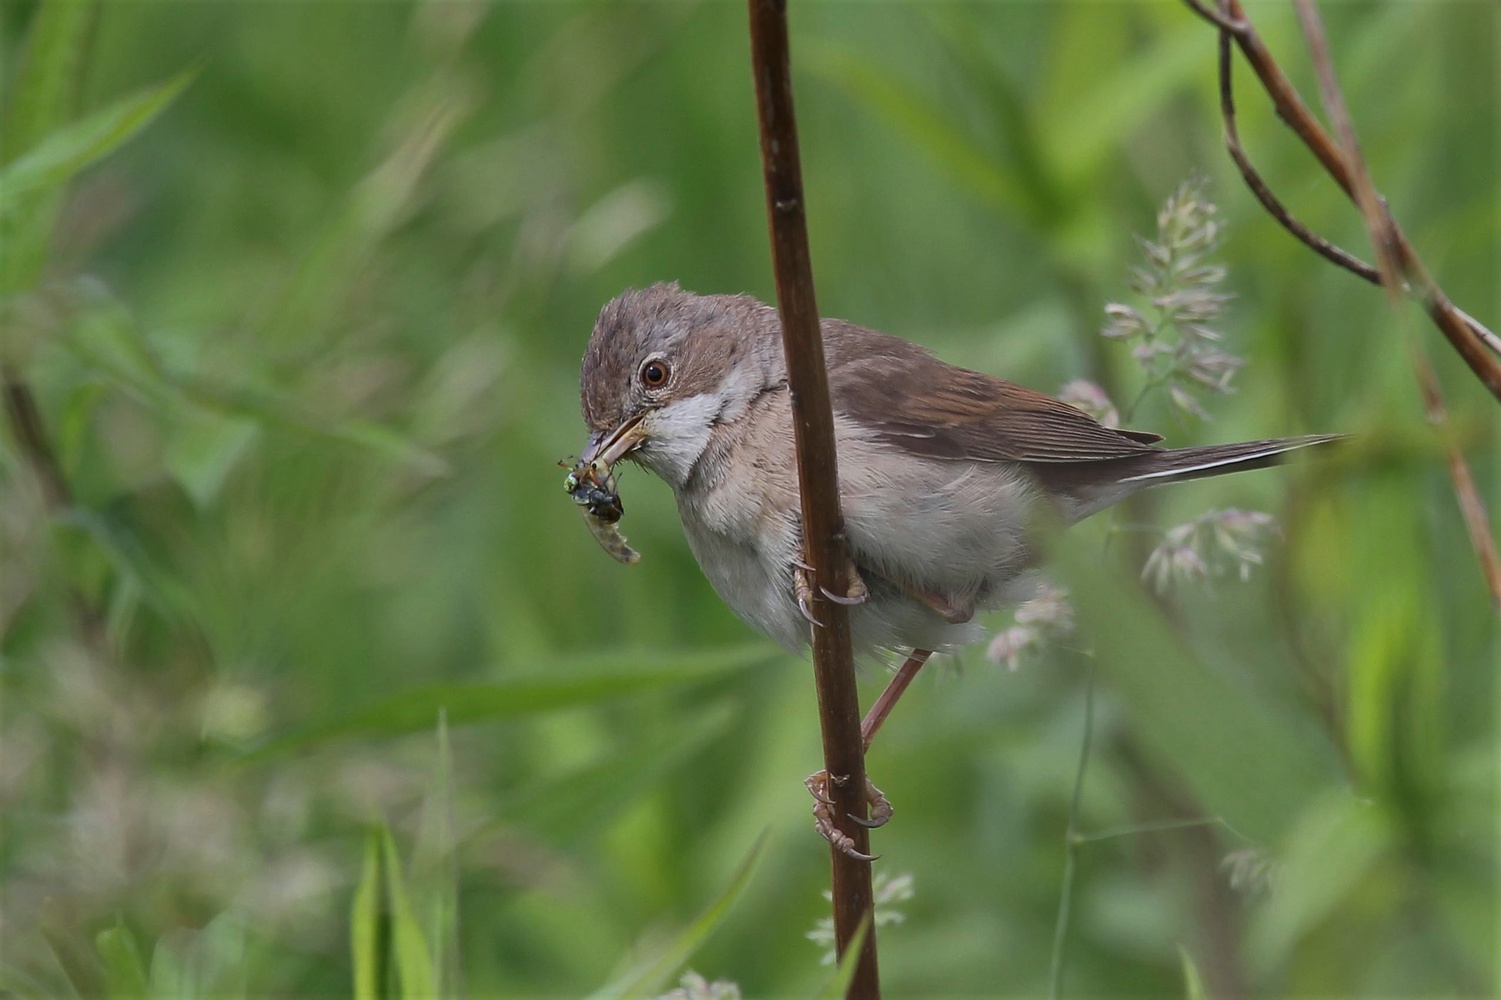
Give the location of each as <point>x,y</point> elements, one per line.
<point>306,347</point>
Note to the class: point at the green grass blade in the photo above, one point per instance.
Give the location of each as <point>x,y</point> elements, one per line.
<point>1338,843</point>
<point>43,98</point>
<point>1193,983</point>
<point>435,870</point>
<point>647,978</point>
<point>46,88</point>
<point>585,681</point>
<point>124,970</point>
<point>366,935</point>
<point>839,985</point>
<point>53,160</point>
<point>414,963</point>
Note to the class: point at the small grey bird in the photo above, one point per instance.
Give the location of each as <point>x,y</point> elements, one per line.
<point>943,472</point>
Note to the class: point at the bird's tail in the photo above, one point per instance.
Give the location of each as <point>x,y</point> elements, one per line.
<point>1176,465</point>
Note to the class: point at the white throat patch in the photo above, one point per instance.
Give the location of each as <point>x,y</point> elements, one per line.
<point>677,435</point>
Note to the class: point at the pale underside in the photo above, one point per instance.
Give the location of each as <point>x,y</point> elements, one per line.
<point>954,530</point>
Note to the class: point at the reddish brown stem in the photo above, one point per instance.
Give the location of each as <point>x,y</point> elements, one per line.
<point>1263,193</point>
<point>818,479</point>
<point>1384,236</point>
<point>1477,345</point>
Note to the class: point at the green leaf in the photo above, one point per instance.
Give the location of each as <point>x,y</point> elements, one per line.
<point>647,978</point>
<point>63,152</point>
<point>1337,843</point>
<point>129,559</point>
<point>204,448</point>
<point>46,88</point>
<point>124,971</point>
<point>1193,983</point>
<point>569,684</point>
<point>366,933</point>
<point>414,963</point>
<point>838,986</point>
<point>207,963</point>
<point>435,869</point>
<point>1245,758</point>
<point>43,98</point>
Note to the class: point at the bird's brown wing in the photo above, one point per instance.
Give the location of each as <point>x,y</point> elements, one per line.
<point>914,401</point>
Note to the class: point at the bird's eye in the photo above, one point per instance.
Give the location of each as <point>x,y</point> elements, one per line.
<point>654,373</point>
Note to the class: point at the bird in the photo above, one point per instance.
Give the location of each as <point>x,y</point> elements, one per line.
<point>945,474</point>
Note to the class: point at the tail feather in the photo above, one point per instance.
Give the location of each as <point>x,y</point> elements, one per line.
<point>1182,464</point>
<point>1084,488</point>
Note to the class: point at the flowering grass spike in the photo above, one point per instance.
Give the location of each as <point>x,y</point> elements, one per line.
<point>1172,334</point>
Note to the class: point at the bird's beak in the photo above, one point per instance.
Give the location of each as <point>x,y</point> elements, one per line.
<point>609,448</point>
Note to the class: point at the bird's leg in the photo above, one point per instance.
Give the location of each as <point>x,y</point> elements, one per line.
<point>880,806</point>
<point>894,690</point>
<point>954,614</point>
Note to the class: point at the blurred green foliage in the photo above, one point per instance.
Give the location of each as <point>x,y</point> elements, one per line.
<point>304,338</point>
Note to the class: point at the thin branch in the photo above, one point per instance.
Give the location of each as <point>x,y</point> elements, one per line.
<point>1137,829</point>
<point>1471,507</point>
<point>818,479</point>
<point>1384,236</point>
<point>25,419</point>
<point>1478,346</point>
<point>1378,221</point>
<point>1263,193</point>
<point>1227,24</point>
<point>1071,843</point>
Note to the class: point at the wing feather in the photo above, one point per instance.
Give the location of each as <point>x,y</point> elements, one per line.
<point>918,403</point>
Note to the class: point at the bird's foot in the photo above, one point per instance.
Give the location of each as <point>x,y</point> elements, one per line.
<point>856,592</point>
<point>802,587</point>
<point>823,812</point>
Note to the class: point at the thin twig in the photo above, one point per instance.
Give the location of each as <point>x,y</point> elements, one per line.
<point>1400,270</point>
<point>818,479</point>
<point>1136,829</point>
<point>1263,193</point>
<point>1478,346</point>
<point>25,419</point>
<point>1379,224</point>
<point>1471,507</point>
<point>1071,847</point>
<point>1383,233</point>
<point>1227,24</point>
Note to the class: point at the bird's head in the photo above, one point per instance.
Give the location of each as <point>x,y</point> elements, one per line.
<point>665,367</point>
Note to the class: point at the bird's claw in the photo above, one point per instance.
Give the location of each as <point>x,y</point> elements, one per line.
<point>857,592</point>
<point>802,586</point>
<point>823,813</point>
